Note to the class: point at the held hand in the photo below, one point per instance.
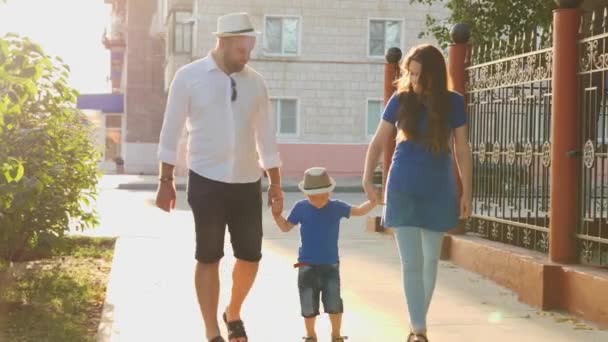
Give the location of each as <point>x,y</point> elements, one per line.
<point>465,207</point>
<point>276,208</point>
<point>165,196</point>
<point>275,198</point>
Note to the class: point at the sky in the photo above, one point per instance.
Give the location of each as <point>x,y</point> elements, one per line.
<point>70,29</point>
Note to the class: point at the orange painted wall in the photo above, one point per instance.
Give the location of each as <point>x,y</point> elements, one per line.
<point>341,160</point>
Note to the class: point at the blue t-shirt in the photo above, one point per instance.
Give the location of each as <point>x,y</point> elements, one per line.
<point>421,189</point>
<point>319,230</point>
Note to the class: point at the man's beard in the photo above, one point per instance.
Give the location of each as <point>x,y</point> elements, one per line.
<point>235,67</point>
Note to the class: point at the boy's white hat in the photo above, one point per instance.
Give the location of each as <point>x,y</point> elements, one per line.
<point>316,181</point>
<point>235,24</point>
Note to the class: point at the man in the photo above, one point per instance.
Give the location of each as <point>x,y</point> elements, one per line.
<point>224,104</point>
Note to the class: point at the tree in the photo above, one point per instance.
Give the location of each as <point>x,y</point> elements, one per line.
<point>491,20</point>
<point>48,163</point>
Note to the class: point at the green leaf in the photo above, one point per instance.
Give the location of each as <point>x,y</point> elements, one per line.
<point>7,175</point>
<point>29,72</point>
<point>3,51</point>
<point>36,48</point>
<point>14,97</point>
<point>11,35</point>
<point>490,20</point>
<point>56,169</point>
<point>19,61</point>
<point>20,172</point>
<point>30,87</point>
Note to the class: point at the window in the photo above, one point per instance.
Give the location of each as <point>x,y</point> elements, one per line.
<point>113,136</point>
<point>281,35</point>
<point>285,115</point>
<point>162,11</point>
<point>383,34</point>
<point>374,111</point>
<point>182,33</point>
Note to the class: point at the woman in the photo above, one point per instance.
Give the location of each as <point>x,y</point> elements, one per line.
<point>421,193</point>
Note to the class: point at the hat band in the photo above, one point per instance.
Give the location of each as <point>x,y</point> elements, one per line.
<point>318,187</point>
<point>239,31</point>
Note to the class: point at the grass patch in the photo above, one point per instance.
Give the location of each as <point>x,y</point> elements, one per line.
<point>85,247</point>
<point>59,298</point>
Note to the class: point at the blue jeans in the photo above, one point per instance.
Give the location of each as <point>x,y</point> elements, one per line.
<point>419,250</point>
<point>319,282</point>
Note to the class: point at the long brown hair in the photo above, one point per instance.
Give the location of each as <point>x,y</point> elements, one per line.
<point>433,80</point>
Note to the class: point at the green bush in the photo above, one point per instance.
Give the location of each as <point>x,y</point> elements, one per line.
<point>48,162</point>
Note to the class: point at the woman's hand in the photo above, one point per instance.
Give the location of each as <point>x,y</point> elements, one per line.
<point>370,191</point>
<point>465,206</point>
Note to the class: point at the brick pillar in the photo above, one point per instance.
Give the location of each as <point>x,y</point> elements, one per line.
<point>457,62</point>
<point>564,134</point>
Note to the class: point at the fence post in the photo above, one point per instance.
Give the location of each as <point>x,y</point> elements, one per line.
<point>564,169</point>
<point>391,73</point>
<point>457,62</point>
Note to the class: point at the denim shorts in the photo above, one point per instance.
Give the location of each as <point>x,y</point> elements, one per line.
<point>319,282</point>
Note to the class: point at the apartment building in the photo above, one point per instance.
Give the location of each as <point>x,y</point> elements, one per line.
<point>322,61</point>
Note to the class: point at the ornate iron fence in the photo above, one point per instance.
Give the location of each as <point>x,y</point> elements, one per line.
<point>592,231</point>
<point>509,103</point>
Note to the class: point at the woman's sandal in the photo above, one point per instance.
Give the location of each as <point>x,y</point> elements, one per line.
<point>217,338</point>
<point>339,339</point>
<point>417,338</point>
<point>236,329</point>
<point>309,339</point>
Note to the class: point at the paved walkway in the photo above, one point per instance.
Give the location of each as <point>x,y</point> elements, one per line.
<point>151,296</point>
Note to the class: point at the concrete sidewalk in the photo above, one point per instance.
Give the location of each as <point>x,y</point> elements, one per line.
<point>148,182</point>
<point>151,294</point>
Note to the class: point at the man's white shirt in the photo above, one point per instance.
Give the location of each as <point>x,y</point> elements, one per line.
<point>228,141</point>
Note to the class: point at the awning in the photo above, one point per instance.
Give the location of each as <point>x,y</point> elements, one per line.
<point>107,103</point>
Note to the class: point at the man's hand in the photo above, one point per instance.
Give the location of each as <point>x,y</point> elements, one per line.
<point>165,196</point>
<point>275,198</point>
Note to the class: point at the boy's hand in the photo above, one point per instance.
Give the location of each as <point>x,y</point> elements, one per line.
<point>277,208</point>
<point>275,196</point>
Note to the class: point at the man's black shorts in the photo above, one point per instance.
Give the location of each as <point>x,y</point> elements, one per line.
<point>216,205</point>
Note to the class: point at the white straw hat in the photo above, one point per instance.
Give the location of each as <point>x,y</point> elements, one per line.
<point>316,181</point>
<point>235,24</point>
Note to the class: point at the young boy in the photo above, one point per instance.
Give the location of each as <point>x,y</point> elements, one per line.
<point>318,261</point>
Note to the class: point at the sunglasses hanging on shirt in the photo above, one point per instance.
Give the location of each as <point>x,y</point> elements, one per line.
<point>233,86</point>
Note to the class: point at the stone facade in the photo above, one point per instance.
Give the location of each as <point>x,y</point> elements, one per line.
<point>332,75</point>
<point>330,78</point>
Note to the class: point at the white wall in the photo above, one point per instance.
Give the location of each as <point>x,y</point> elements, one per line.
<point>333,75</point>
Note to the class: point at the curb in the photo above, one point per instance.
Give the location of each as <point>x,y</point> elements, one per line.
<point>105,329</point>
<point>182,187</point>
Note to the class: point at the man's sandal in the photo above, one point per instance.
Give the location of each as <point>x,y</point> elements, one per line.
<point>417,338</point>
<point>217,338</point>
<point>236,329</point>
